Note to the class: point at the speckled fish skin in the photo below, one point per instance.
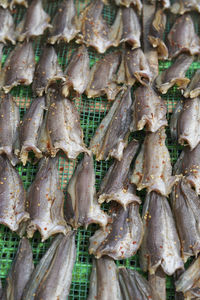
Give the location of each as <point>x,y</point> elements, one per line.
<point>123,237</point>
<point>153,169</point>
<point>103,75</point>
<point>20,272</point>
<point>7,27</point>
<point>104,280</point>
<point>12,199</point>
<point>30,128</point>
<point>182,37</point>
<point>182,6</point>
<point>175,74</point>
<point>19,67</point>
<point>9,114</point>
<point>136,3</point>
<point>160,245</point>
<point>193,89</point>
<point>82,207</point>
<point>111,136</point>
<point>149,110</point>
<point>77,72</point>
<point>47,71</point>
<point>18,2</point>
<point>45,201</point>
<point>114,186</point>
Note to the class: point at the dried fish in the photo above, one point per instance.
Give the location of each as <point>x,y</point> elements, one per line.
<point>102,77</point>
<point>111,136</point>
<point>12,196</point>
<point>82,207</point>
<point>136,3</point>
<point>45,201</point>
<point>65,23</point>
<point>149,110</point>
<point>19,67</point>
<point>193,89</point>
<point>152,167</point>
<point>160,245</point>
<point>77,72</point>
<point>182,6</point>
<point>17,2</point>
<point>175,74</point>
<point>164,3</point>
<point>4,3</point>
<point>7,27</point>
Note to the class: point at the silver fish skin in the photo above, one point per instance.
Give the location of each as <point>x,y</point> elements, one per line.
<point>47,71</point>
<point>30,128</point>
<point>175,74</point>
<point>153,168</point>
<point>13,3</point>
<point>122,238</point>
<point>186,210</point>
<point>19,67</point>
<point>111,136</point>
<point>20,272</point>
<point>193,89</point>
<point>115,185</point>
<point>9,139</point>
<point>12,199</point>
<point>35,22</point>
<point>77,72</point>
<point>103,76</point>
<point>136,4</point>
<point>45,201</point>
<point>82,207</point>
<point>65,23</point>
<point>7,27</point>
<point>182,37</point>
<point>160,245</point>
<point>104,280</point>
<point>149,110</point>
<point>183,6</point>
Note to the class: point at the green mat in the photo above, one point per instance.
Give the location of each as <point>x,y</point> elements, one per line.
<point>91,112</point>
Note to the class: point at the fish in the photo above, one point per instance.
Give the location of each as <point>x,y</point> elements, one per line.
<point>103,76</point>
<point>163,3</point>
<point>157,281</point>
<point>136,4</point>
<point>82,207</point>
<point>153,169</point>
<point>65,24</point>
<point>95,32</point>
<point>104,280</point>
<point>115,185</point>
<point>149,110</point>
<point>13,3</point>
<point>182,37</point>
<point>131,32</point>
<point>111,136</point>
<point>175,74</point>
<point>30,129</point>
<point>19,67</point>
<point>20,272</point>
<point>34,23</point>
<point>123,235</point>
<point>47,71</point>
<point>160,246</point>
<point>183,6</point>
<point>4,3</point>
<point>7,27</point>
<point>77,72</point>
<point>193,89</point>
<point>12,196</point>
<point>9,136</point>
<point>52,277</point>
<point>45,201</point>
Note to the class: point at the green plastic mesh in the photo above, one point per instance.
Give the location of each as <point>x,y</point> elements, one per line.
<point>91,112</point>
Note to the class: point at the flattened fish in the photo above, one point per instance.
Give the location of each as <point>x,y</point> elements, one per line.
<point>111,136</point>
<point>21,270</point>
<point>45,201</point>
<point>136,3</point>
<point>12,196</point>
<point>65,23</point>
<point>175,74</point>
<point>122,238</point>
<point>77,72</point>
<point>47,71</point>
<point>152,167</point>
<point>7,27</point>
<point>183,38</point>
<point>115,185</point>
<point>17,2</point>
<point>160,245</point>
<point>193,89</point>
<point>182,6</point>
<point>82,207</point>
<point>149,110</point>
<point>102,77</point>
<point>52,277</point>
<point>104,280</point>
<point>19,67</point>
<point>30,128</point>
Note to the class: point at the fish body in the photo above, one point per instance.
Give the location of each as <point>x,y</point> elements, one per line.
<point>7,27</point>
<point>136,3</point>
<point>183,6</point>
<point>193,89</point>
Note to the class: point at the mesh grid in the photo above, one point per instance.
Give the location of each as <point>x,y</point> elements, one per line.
<point>91,112</point>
